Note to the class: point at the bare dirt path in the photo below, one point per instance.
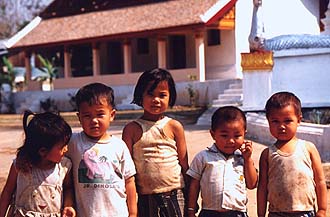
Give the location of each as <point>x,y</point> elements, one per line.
<point>198,138</point>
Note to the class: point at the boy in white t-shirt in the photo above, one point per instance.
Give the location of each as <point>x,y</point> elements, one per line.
<point>103,170</point>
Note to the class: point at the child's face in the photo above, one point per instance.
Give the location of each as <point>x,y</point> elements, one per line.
<point>95,119</point>
<point>156,103</point>
<point>283,123</point>
<point>229,136</point>
<point>56,153</point>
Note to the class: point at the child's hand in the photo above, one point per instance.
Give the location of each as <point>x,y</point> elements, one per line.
<point>68,212</point>
<point>320,213</point>
<point>246,149</point>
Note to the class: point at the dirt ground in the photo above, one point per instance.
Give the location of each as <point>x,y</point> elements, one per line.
<point>197,137</point>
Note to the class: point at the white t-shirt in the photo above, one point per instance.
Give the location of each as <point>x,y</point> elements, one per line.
<point>100,169</point>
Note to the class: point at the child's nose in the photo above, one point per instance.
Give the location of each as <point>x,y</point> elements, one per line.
<point>94,119</point>
<point>231,140</point>
<point>156,100</point>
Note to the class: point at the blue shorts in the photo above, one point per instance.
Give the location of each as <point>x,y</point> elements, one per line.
<point>169,204</point>
<point>296,214</point>
<point>213,213</point>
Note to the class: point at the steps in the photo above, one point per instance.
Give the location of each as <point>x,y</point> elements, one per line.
<point>231,96</point>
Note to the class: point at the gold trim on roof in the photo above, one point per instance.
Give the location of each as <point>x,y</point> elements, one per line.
<point>257,61</point>
<point>227,22</point>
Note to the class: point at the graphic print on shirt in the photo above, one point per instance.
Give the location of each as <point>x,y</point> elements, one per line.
<point>97,168</point>
<point>42,198</point>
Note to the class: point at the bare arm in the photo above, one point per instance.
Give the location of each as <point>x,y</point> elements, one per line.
<point>181,145</point>
<point>131,196</point>
<point>262,191</point>
<point>193,196</point>
<point>68,194</point>
<point>319,179</point>
<point>250,172</point>
<point>8,190</point>
<point>132,132</point>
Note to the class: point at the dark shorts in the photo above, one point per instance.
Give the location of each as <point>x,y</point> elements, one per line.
<point>212,213</point>
<point>169,204</point>
<point>296,214</point>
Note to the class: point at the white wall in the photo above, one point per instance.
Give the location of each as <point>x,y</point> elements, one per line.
<point>304,72</point>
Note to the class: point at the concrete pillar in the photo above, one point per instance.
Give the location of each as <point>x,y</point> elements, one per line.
<point>161,48</point>
<point>127,57</point>
<point>200,55</point>
<point>67,63</point>
<point>257,79</point>
<point>96,60</point>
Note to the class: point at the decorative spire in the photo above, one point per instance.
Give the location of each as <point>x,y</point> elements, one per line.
<point>256,37</point>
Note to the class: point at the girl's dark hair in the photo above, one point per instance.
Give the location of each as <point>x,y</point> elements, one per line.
<point>227,114</point>
<point>92,93</point>
<point>44,130</point>
<point>280,100</point>
<point>154,76</point>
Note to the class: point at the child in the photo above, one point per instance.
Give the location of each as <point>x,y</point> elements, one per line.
<point>103,170</point>
<point>223,171</point>
<point>158,147</point>
<point>40,169</point>
<point>291,174</point>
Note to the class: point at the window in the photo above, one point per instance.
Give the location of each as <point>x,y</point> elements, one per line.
<point>213,37</point>
<point>142,46</point>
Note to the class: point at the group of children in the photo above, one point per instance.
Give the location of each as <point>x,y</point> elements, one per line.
<point>146,173</point>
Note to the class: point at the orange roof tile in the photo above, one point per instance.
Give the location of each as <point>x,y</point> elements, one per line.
<point>148,17</point>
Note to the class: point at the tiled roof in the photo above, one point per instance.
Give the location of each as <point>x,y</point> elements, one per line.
<point>101,24</point>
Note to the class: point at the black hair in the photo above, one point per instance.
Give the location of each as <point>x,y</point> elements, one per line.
<point>282,99</point>
<point>227,114</point>
<point>92,93</point>
<point>44,130</point>
<point>154,76</point>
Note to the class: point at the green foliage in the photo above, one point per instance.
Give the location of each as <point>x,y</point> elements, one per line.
<point>318,116</point>
<point>8,75</point>
<point>47,67</point>
<point>48,105</point>
<point>192,92</point>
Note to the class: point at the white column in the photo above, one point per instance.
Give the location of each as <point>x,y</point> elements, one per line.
<point>67,63</point>
<point>127,57</point>
<point>200,55</point>
<point>96,60</point>
<point>161,48</point>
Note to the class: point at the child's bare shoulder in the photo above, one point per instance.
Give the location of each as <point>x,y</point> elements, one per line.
<point>132,126</point>
<point>175,124</point>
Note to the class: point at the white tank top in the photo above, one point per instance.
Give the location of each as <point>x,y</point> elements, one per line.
<point>156,159</point>
<point>291,185</point>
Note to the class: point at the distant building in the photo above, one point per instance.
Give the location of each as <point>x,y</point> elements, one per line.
<point>114,41</point>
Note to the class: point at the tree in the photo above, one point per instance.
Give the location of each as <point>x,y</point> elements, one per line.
<point>15,14</point>
<point>8,75</point>
<point>49,69</point>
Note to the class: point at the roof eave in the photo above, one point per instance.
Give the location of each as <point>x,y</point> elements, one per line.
<point>217,11</point>
<point>23,32</point>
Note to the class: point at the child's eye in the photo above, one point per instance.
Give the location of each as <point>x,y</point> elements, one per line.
<point>86,116</point>
<point>163,95</point>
